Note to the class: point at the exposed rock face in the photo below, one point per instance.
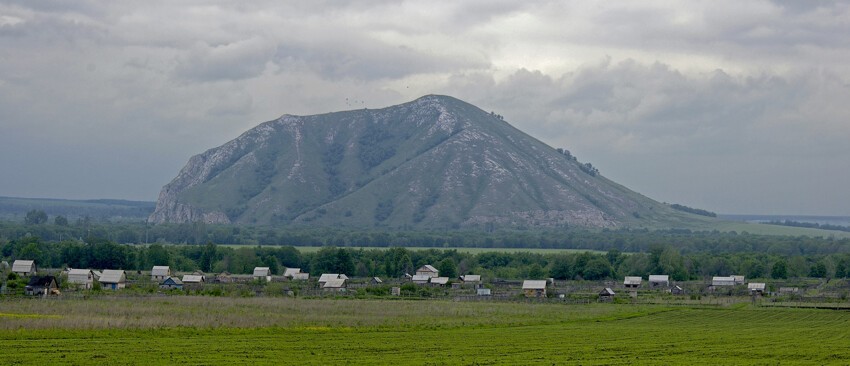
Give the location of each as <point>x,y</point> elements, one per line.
<point>436,162</point>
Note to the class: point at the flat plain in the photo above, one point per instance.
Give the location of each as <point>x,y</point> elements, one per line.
<point>211,331</point>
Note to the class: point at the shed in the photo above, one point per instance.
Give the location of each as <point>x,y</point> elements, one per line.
<point>659,280</point>
<point>24,267</point>
<point>395,291</point>
<point>262,274</point>
<point>160,273</point>
<point>756,287</point>
<point>301,276</point>
<point>377,281</point>
<point>113,279</point>
<point>193,279</point>
<point>534,288</point>
<point>471,278</point>
<point>483,292</point>
<point>291,272</point>
<point>739,280</point>
<point>42,285</point>
<point>439,281</point>
<point>632,281</point>
<point>428,270</point>
<point>607,294</point>
<point>223,277</point>
<point>677,290</point>
<point>421,279</point>
<point>334,284</point>
<point>82,278</point>
<point>170,283</point>
<point>722,281</point>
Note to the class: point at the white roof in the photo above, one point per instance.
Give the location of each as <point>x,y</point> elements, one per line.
<point>97,273</point>
<point>334,283</point>
<point>113,276</point>
<point>755,286</point>
<point>533,284</point>
<point>607,291</point>
<point>261,271</point>
<point>79,272</point>
<point>193,279</point>
<point>428,268</point>
<point>325,277</point>
<point>471,278</point>
<point>440,280</point>
<point>420,278</point>
<point>722,281</point>
<point>21,265</point>
<point>632,280</point>
<point>160,271</point>
<point>659,278</point>
<point>289,272</point>
<point>301,276</point>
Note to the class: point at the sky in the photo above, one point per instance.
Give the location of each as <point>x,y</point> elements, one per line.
<point>730,106</point>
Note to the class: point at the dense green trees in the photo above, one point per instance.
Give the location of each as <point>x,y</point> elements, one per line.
<point>35,217</point>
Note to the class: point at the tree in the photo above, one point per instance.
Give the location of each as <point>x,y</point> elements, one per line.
<point>536,272</point>
<point>779,270</point>
<point>60,220</point>
<point>397,262</point>
<point>35,217</point>
<point>447,268</point>
<point>208,257</point>
<point>271,262</point>
<point>596,269</point>
<point>158,255</point>
<point>818,270</point>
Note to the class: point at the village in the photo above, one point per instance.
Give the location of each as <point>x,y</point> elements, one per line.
<point>23,278</point>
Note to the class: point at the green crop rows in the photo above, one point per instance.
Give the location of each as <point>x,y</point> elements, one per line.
<point>561,334</point>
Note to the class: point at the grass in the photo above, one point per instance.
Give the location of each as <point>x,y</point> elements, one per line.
<point>306,249</point>
<point>202,331</point>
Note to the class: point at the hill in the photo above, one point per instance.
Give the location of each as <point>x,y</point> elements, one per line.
<point>15,208</point>
<point>433,163</point>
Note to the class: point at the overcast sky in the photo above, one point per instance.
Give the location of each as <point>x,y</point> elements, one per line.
<point>731,106</point>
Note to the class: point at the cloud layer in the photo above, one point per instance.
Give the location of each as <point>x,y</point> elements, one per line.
<point>733,107</point>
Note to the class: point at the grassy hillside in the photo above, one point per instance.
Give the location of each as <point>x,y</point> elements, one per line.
<point>16,208</point>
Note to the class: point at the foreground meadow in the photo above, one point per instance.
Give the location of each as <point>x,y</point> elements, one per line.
<point>211,331</point>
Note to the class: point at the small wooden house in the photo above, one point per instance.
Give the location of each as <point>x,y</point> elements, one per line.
<point>632,281</point>
<point>193,281</point>
<point>534,288</point>
<point>24,268</point>
<point>677,290</point>
<point>428,270</point>
<point>718,281</point>
<point>171,283</point>
<point>325,277</point>
<point>42,285</point>
<point>606,295</point>
<point>334,284</point>
<point>659,281</point>
<point>739,280</point>
<point>113,279</point>
<point>377,281</point>
<point>439,281</point>
<point>160,273</point>
<point>301,276</point>
<point>81,278</point>
<point>756,287</point>
<point>262,274</point>
<point>471,279</point>
<point>421,279</point>
<point>291,272</point>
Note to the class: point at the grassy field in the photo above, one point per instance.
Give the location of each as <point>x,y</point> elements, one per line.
<point>461,250</point>
<point>208,331</point>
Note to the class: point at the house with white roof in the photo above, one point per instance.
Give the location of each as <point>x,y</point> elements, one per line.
<point>428,270</point>
<point>24,267</point>
<point>160,273</point>
<point>534,288</point>
<point>113,279</point>
<point>82,278</point>
<point>262,274</point>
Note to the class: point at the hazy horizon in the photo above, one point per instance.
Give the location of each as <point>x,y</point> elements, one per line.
<point>729,107</point>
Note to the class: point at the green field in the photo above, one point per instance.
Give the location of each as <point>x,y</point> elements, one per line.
<point>462,250</point>
<point>208,331</point>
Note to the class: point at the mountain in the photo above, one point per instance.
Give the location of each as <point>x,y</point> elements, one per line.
<point>436,162</point>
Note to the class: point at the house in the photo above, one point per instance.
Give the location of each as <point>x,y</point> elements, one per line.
<point>334,284</point>
<point>659,280</point>
<point>113,279</point>
<point>632,281</point>
<point>606,295</point>
<point>193,281</point>
<point>223,277</point>
<point>677,290</point>
<point>291,272</point>
<point>24,267</point>
<point>377,281</point>
<point>325,277</point>
<point>421,279</point>
<point>739,280</point>
<point>428,270</point>
<point>42,285</point>
<point>483,292</point>
<point>723,281</point>
<point>170,283</point>
<point>473,279</point>
<point>534,288</point>
<point>82,278</point>
<point>755,287</point>
<point>439,281</point>
<point>262,274</point>
<point>301,277</point>
<point>160,273</point>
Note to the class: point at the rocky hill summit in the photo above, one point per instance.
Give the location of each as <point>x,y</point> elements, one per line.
<point>433,163</point>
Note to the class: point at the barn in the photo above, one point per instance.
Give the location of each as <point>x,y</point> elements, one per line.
<point>262,274</point>
<point>24,268</point>
<point>428,270</point>
<point>81,278</point>
<point>160,273</point>
<point>534,288</point>
<point>42,285</point>
<point>659,281</point>
<point>632,281</point>
<point>113,279</point>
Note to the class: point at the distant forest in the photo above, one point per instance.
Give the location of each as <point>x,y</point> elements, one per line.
<point>812,225</point>
<point>695,211</point>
